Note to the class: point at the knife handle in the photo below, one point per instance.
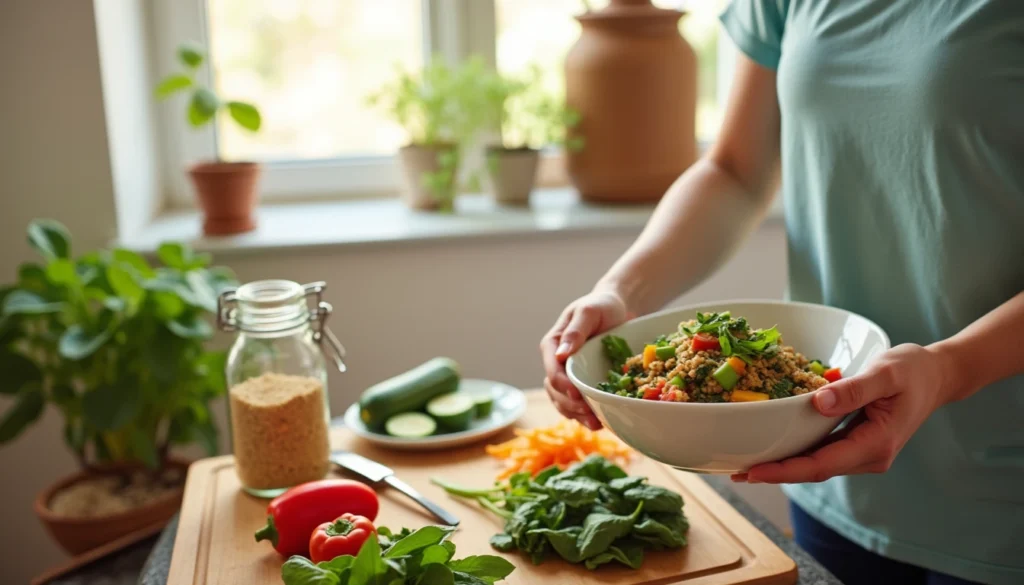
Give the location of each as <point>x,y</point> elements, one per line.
<point>434,509</point>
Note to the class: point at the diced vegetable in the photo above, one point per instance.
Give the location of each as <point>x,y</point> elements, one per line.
<point>747,396</point>
<point>705,342</point>
<point>650,355</point>
<point>652,393</point>
<point>625,382</point>
<point>816,367</point>
<point>832,374</point>
<point>726,376</point>
<point>665,352</point>
<point>677,381</point>
<point>533,450</point>
<point>737,364</point>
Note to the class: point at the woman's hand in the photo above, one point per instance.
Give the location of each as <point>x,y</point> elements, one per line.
<point>585,317</point>
<point>897,393</point>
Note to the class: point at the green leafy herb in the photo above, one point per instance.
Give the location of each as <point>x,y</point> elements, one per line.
<point>616,350</point>
<point>735,335</point>
<point>782,389</point>
<point>116,345</point>
<point>421,557</point>
<point>592,513</point>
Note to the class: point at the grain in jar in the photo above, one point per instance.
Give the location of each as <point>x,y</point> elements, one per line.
<point>279,427</point>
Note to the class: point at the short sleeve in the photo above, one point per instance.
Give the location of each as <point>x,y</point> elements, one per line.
<point>756,26</point>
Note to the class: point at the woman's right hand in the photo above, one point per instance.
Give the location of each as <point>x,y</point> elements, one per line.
<point>585,317</point>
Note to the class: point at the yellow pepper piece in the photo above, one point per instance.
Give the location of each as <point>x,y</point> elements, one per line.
<point>747,396</point>
<point>738,365</point>
<point>650,354</point>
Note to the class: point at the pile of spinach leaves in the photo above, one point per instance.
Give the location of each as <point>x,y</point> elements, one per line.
<point>421,557</point>
<point>592,513</point>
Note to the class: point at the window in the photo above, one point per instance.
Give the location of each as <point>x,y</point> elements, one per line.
<point>309,65</point>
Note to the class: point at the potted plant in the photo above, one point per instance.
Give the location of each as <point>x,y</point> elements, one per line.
<point>117,347</point>
<point>227,190</point>
<point>441,108</point>
<point>529,119</point>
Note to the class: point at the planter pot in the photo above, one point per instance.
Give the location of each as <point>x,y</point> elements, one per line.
<point>227,196</point>
<point>512,174</point>
<point>419,161</point>
<point>633,79</point>
<point>78,535</point>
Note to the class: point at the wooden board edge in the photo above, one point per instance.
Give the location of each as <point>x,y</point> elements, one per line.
<point>766,562</point>
<point>189,540</point>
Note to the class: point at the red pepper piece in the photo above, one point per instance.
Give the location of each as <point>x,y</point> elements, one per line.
<point>705,342</point>
<point>832,374</point>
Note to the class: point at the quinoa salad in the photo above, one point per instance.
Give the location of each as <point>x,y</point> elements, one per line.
<point>713,358</point>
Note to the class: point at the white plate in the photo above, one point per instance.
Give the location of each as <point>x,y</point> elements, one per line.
<point>509,406</point>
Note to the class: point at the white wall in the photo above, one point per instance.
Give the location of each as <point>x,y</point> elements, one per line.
<point>484,302</point>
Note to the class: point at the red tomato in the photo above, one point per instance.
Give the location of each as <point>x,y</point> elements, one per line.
<point>705,342</point>
<point>832,374</point>
<point>344,536</point>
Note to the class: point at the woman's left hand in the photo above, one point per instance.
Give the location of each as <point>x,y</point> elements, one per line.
<point>898,392</point>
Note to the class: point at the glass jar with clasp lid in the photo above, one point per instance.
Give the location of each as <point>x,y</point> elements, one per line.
<point>277,382</point>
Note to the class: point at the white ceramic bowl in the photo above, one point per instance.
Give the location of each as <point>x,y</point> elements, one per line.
<point>729,437</point>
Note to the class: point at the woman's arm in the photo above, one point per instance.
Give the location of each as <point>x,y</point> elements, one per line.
<point>699,223</point>
<point>714,205</point>
<point>899,392</point>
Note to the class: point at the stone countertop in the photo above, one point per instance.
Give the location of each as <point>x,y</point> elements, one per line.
<point>147,562</point>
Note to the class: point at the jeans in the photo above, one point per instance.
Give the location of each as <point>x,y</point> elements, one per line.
<point>854,565</point>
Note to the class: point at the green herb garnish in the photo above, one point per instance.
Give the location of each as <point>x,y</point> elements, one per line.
<point>735,335</point>
<point>616,350</point>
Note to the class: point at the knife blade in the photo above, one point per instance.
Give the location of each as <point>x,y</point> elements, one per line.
<point>373,472</point>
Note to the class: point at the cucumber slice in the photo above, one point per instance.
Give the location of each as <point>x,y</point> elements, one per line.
<point>408,392</point>
<point>410,425</point>
<point>483,403</point>
<point>452,411</point>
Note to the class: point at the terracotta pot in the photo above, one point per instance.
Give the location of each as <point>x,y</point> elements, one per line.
<point>227,195</point>
<point>417,161</point>
<point>633,79</point>
<point>78,535</point>
<point>512,173</point>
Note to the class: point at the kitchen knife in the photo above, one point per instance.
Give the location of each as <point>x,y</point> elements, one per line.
<point>374,472</point>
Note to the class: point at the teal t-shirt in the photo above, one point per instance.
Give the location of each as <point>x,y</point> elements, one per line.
<point>903,183</point>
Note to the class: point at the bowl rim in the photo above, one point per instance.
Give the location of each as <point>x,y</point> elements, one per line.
<point>586,389</point>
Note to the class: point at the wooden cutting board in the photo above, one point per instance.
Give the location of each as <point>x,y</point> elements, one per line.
<point>215,544</point>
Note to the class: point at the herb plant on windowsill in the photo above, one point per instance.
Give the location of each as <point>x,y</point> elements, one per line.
<point>117,347</point>
<point>226,190</point>
<point>441,108</point>
<point>530,118</point>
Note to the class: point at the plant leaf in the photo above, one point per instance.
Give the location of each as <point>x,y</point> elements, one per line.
<point>26,409</point>
<point>436,574</point>
<point>144,448</point>
<point>301,571</point>
<point>419,540</point>
<point>202,290</point>
<point>109,407</point>
<point>174,255</point>
<point>190,326</point>
<point>136,261</point>
<point>435,553</point>
<point>191,54</point>
<point>368,565</point>
<point>172,84</point>
<point>246,115</point>
<point>76,343</point>
<point>485,566</point>
<point>50,238</point>
<point>125,285</point>
<point>32,277</point>
<point>18,371</point>
<point>22,302</point>
<point>202,107</point>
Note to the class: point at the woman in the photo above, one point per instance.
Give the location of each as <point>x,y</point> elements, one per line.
<point>897,128</point>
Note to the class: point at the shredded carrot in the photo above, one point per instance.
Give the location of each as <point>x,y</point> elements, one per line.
<point>563,444</point>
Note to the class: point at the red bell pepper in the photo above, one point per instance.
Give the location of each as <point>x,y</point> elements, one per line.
<point>294,515</point>
<point>705,342</point>
<point>832,374</point>
<point>652,393</point>
<point>344,536</point>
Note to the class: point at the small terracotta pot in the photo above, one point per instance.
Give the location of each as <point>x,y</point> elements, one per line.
<point>78,535</point>
<point>417,161</point>
<point>512,172</point>
<point>227,195</point>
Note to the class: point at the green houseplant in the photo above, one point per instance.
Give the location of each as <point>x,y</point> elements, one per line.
<point>117,347</point>
<point>530,118</point>
<point>441,108</point>
<point>226,190</point>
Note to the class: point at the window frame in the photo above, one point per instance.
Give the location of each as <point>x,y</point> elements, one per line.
<point>452,29</point>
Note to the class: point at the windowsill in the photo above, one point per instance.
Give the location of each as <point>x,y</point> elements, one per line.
<point>389,222</point>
